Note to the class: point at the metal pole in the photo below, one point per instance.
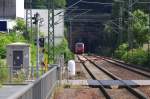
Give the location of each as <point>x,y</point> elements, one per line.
<point>129,24</point>
<point>120,23</point>
<point>53,29</point>
<point>29,20</point>
<point>149,33</point>
<point>70,39</point>
<point>4,8</point>
<point>48,36</point>
<point>132,37</point>
<point>148,49</point>
<point>37,42</point>
<point>51,43</point>
<point>130,34</point>
<point>49,25</point>
<point>26,20</point>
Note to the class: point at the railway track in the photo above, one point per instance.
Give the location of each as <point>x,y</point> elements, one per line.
<point>123,71</point>
<point>93,77</point>
<point>105,91</point>
<point>138,70</point>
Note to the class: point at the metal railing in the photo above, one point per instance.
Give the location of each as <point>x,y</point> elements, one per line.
<point>42,88</point>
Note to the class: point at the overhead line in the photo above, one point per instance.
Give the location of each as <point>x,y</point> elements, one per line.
<point>68,8</point>
<point>96,3</point>
<point>143,2</point>
<point>74,4</point>
<point>82,13</point>
<point>75,16</point>
<point>134,3</point>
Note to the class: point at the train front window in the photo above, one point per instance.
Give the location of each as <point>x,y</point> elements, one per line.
<point>79,45</point>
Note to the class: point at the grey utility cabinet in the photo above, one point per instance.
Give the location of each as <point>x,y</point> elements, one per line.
<point>18,56</point>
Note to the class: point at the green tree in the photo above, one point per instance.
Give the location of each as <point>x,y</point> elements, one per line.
<point>140,27</point>
<point>7,39</point>
<point>122,49</point>
<point>42,4</point>
<point>20,25</point>
<point>136,56</point>
<point>60,3</point>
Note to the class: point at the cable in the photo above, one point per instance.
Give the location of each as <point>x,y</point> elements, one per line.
<point>134,3</point>
<point>96,3</point>
<point>57,22</point>
<point>68,8</point>
<point>74,4</point>
<point>143,2</point>
<point>82,13</point>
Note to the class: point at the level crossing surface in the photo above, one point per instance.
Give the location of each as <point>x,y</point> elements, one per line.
<point>107,82</point>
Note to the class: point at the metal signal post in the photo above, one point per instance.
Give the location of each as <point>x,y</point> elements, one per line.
<point>36,21</point>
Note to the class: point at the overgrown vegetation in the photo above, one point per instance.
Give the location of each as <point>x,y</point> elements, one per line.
<point>62,49</point>
<point>19,77</point>
<point>140,29</point>
<point>18,35</point>
<point>42,4</point>
<point>7,39</point>
<point>122,49</point>
<point>135,56</point>
<point>3,72</point>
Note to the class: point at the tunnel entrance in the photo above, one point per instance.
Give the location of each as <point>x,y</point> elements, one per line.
<point>90,33</point>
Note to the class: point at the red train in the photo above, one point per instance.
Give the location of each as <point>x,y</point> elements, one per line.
<point>79,48</point>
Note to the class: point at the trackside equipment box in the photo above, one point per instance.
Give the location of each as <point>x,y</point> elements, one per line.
<point>18,56</point>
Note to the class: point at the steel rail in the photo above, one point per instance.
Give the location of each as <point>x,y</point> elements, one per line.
<point>101,87</point>
<point>138,94</point>
<point>131,65</point>
<point>128,67</point>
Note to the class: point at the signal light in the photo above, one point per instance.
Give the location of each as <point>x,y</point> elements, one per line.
<point>41,42</point>
<point>35,18</point>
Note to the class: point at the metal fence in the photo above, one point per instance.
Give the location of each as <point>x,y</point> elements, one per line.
<point>19,75</point>
<point>11,75</point>
<point>42,88</point>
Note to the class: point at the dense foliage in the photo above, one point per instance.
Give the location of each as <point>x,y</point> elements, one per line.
<point>20,25</point>
<point>62,49</point>
<point>7,39</point>
<point>140,27</point>
<point>121,50</point>
<point>3,71</point>
<point>60,3</point>
<point>139,32</point>
<point>136,56</point>
<point>42,4</point>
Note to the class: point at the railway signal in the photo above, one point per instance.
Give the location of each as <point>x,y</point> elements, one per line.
<point>41,42</point>
<point>36,20</point>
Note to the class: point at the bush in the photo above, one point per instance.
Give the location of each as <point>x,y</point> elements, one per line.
<point>7,39</point>
<point>20,25</point>
<point>20,76</point>
<point>121,50</point>
<point>63,49</point>
<point>136,56</point>
<point>33,55</point>
<point>3,72</point>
